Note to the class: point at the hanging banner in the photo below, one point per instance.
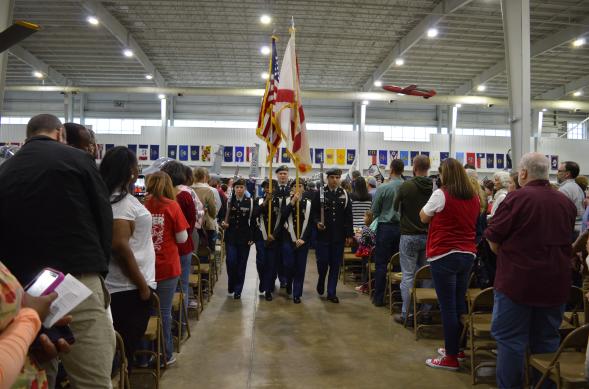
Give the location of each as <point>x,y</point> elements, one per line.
<point>319,157</point>
<point>108,146</point>
<point>228,154</point>
<point>351,156</point>
<point>194,153</point>
<point>460,157</point>
<point>554,162</point>
<point>329,156</point>
<point>383,157</point>
<point>394,154</point>
<point>444,155</point>
<point>143,152</point>
<point>372,154</point>
<point>341,156</point>
<point>490,161</point>
<point>154,152</point>
<point>172,151</point>
<point>284,155</point>
<point>183,152</point>
<point>133,148</point>
<point>470,159</point>
<point>205,154</point>
<point>500,161</point>
<point>311,153</point>
<point>404,156</point>
<point>239,153</point>
<point>413,155</point>
<point>480,160</point>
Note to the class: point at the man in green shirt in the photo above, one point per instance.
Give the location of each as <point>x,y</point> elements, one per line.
<point>388,232</point>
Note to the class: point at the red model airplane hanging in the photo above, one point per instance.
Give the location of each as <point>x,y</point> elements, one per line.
<point>411,90</point>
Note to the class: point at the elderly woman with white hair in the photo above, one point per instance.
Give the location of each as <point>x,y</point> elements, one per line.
<point>502,181</point>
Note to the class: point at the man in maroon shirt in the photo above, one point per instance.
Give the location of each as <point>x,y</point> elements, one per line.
<point>530,233</point>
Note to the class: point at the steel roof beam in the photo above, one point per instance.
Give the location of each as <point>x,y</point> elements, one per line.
<point>38,65</point>
<point>565,89</point>
<point>414,36</point>
<point>124,37</point>
<point>537,48</point>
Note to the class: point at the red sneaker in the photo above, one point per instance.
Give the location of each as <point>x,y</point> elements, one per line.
<point>447,363</point>
<point>461,357</point>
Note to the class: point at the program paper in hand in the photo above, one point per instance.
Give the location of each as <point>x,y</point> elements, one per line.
<point>70,294</point>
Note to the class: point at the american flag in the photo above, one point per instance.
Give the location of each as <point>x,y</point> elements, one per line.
<point>266,129</point>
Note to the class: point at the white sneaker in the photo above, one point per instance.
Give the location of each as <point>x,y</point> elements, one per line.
<point>461,357</point>
<point>172,360</point>
<point>193,304</point>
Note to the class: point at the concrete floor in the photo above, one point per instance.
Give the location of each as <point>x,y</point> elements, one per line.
<point>252,343</point>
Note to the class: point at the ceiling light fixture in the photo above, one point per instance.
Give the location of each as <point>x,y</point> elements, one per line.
<point>577,93</point>
<point>458,105</point>
<point>265,76</point>
<point>378,83</point>
<point>265,50</point>
<point>481,88</point>
<point>149,76</point>
<point>544,110</point>
<point>92,20</point>
<point>38,74</point>
<point>161,96</point>
<point>432,33</point>
<point>579,42</point>
<point>399,62</point>
<point>128,53</point>
<point>365,102</point>
<point>265,19</point>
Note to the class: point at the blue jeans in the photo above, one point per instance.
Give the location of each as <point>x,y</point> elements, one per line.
<point>516,327</point>
<point>260,260</point>
<point>165,291</point>
<point>412,257</point>
<point>237,255</point>
<point>387,244</point>
<point>450,274</point>
<point>185,263</point>
<point>295,264</point>
<point>329,257</point>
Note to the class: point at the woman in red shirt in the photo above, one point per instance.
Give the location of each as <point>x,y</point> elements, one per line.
<point>452,213</point>
<point>168,230</point>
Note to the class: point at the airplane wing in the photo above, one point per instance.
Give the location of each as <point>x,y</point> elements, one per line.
<point>16,33</point>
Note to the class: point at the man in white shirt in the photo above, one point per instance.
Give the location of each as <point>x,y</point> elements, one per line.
<point>567,172</point>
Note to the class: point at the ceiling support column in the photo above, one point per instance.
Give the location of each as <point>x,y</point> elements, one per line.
<point>537,119</point>
<point>361,132</point>
<point>6,8</point>
<point>516,27</point>
<point>452,120</point>
<point>164,133</point>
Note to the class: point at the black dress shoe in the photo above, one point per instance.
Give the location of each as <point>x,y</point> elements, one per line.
<point>296,300</point>
<point>288,289</point>
<point>268,296</point>
<point>378,303</point>
<point>320,288</point>
<point>282,285</point>
<point>236,296</point>
<point>333,299</point>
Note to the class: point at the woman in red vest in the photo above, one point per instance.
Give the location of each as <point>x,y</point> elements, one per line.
<point>452,213</point>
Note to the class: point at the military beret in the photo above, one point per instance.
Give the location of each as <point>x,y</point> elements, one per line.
<point>282,168</point>
<point>239,181</point>
<point>334,172</point>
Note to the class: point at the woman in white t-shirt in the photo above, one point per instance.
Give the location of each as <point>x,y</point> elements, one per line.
<point>131,272</point>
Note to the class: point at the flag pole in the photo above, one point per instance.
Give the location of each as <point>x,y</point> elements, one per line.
<point>271,198</point>
<point>298,207</point>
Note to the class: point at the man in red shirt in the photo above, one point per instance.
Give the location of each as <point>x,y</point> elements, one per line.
<point>530,233</point>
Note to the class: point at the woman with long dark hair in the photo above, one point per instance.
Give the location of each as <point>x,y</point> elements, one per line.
<point>131,273</point>
<point>452,213</point>
<point>361,201</point>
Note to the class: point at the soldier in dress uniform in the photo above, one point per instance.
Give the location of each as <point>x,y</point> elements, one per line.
<point>295,244</point>
<point>238,236</point>
<point>261,232</point>
<point>282,194</point>
<point>334,232</point>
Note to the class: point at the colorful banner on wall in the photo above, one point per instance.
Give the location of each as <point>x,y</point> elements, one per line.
<point>383,157</point>
<point>154,152</point>
<point>194,153</point>
<point>183,152</point>
<point>460,157</point>
<point>500,161</point>
<point>108,146</point>
<point>133,148</point>
<point>490,161</point>
<point>554,162</point>
<point>372,154</point>
<point>228,153</point>
<point>319,156</point>
<point>329,156</point>
<point>285,158</point>
<point>394,154</point>
<point>311,153</point>
<point>413,155</point>
<point>404,155</point>
<point>172,151</point>
<point>205,154</point>
<point>444,155</point>
<point>143,152</point>
<point>340,155</point>
<point>426,153</point>
<point>239,153</point>
<point>480,160</point>
<point>471,159</point>
<point>351,156</point>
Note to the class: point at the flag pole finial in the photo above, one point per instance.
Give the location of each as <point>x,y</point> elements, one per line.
<point>292,26</point>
